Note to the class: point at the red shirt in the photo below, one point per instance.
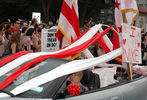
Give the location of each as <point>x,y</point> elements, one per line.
<point>14,30</point>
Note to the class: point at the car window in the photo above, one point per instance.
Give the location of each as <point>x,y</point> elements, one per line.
<point>37,70</point>
<point>120,79</point>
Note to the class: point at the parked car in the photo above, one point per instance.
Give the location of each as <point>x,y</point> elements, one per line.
<point>135,89</point>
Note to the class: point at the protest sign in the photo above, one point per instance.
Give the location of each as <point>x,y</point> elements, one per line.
<point>37,15</point>
<point>131,44</point>
<point>49,41</point>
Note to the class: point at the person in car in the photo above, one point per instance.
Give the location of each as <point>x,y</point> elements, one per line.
<point>87,80</point>
<point>73,86</point>
<point>76,79</point>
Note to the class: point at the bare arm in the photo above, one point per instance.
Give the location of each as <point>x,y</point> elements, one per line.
<point>13,48</point>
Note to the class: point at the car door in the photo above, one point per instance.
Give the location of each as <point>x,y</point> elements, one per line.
<point>22,99</point>
<point>108,93</point>
<point>135,90</point>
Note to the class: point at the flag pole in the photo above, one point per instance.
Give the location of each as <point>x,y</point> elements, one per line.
<point>129,66</point>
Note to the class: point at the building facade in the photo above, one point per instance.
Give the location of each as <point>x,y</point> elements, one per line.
<point>141,21</point>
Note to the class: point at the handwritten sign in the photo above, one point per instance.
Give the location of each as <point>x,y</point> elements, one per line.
<point>37,15</point>
<point>131,44</point>
<point>49,41</point>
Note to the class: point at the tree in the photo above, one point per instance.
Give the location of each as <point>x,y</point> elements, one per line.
<point>50,9</point>
<point>46,6</point>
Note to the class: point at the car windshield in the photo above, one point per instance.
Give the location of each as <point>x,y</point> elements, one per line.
<point>37,70</point>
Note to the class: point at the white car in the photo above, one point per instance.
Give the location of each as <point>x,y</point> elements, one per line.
<point>135,89</point>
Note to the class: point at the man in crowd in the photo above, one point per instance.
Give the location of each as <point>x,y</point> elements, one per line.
<point>16,26</point>
<point>34,22</point>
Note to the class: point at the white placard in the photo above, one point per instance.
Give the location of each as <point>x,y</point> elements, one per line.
<point>131,44</point>
<point>37,15</point>
<point>49,41</point>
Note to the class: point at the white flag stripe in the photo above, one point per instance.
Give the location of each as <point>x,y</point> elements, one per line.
<point>75,6</point>
<point>69,3</point>
<point>65,42</point>
<point>129,9</point>
<point>66,26</point>
<point>127,4</point>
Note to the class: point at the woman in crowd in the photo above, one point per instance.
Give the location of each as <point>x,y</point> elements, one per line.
<point>28,43</point>
<point>38,41</point>
<point>14,43</point>
<point>35,38</point>
<point>8,36</point>
<point>2,32</point>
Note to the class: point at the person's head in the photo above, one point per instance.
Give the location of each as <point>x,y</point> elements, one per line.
<point>8,34</point>
<point>24,29</point>
<point>76,77</point>
<point>8,26</point>
<point>2,29</point>
<point>50,23</point>
<point>23,24</point>
<point>40,26</point>
<point>34,22</point>
<point>16,24</point>
<point>30,32</point>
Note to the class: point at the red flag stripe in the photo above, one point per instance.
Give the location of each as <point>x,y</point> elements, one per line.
<point>103,45</point>
<point>12,57</point>
<point>71,16</point>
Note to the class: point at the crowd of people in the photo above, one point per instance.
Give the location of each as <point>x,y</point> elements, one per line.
<point>20,35</point>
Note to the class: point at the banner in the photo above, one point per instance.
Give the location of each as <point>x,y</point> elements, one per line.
<point>49,41</point>
<point>131,44</point>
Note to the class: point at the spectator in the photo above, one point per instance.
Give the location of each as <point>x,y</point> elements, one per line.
<point>100,51</point>
<point>38,41</point>
<point>14,43</point>
<point>8,26</point>
<point>144,50</point>
<point>23,36</point>
<point>8,35</point>
<point>22,25</point>
<point>28,43</point>
<point>36,28</point>
<point>16,26</point>
<point>34,22</point>
<point>2,39</point>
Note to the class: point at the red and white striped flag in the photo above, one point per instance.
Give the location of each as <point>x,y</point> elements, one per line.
<point>68,22</point>
<point>127,9</point>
